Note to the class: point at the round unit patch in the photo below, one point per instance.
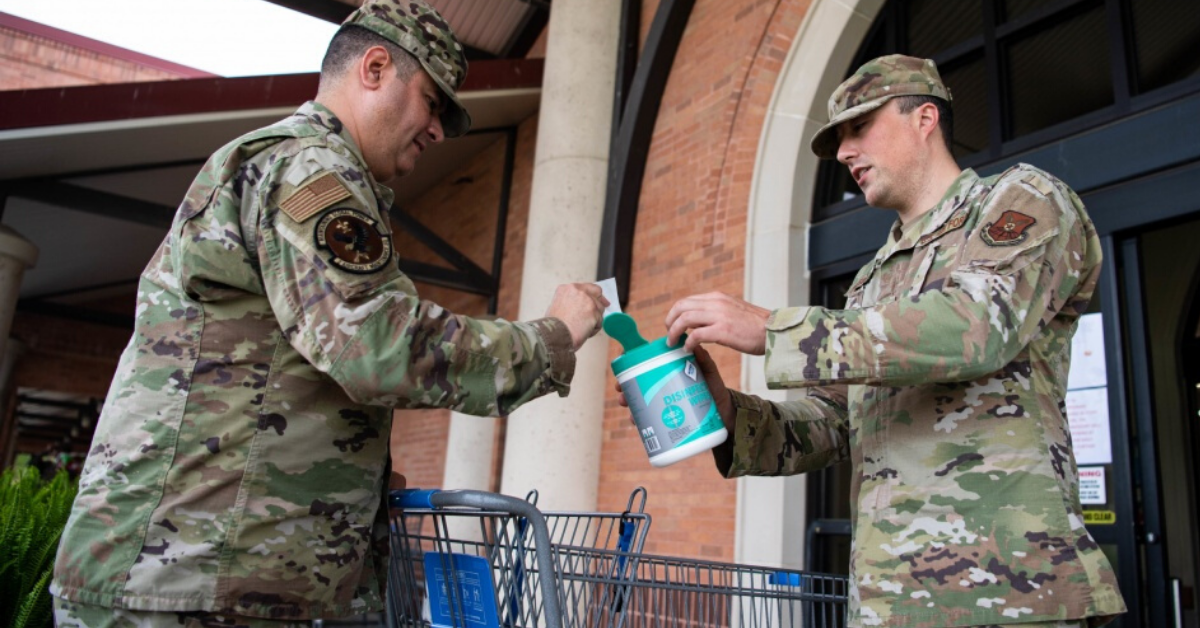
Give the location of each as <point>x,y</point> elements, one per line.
<point>354,240</point>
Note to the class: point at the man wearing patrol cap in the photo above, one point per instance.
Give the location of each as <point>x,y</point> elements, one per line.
<point>942,381</point>
<point>237,473</point>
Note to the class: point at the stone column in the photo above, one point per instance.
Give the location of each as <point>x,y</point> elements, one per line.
<point>469,457</point>
<point>8,402</point>
<point>16,254</point>
<point>469,452</point>
<point>553,444</point>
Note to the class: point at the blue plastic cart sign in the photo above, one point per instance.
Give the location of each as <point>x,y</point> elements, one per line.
<point>473,597</point>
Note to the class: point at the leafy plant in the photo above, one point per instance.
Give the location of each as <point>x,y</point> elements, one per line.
<point>32,516</point>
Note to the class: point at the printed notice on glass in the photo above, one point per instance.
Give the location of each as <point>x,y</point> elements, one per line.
<point>1092,489</point>
<point>1087,415</point>
<point>1088,369</point>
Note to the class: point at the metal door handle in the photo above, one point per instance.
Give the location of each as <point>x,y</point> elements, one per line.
<point>1176,602</point>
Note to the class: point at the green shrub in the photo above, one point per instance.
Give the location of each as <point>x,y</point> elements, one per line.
<point>32,516</point>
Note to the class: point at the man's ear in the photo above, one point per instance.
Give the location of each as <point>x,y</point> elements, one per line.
<point>371,66</point>
<point>927,117</point>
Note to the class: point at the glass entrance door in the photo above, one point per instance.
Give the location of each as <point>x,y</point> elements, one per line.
<point>1148,519</point>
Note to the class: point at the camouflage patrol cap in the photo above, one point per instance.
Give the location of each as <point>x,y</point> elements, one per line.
<point>875,83</point>
<point>418,28</point>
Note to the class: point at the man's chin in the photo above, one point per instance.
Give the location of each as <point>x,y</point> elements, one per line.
<point>405,167</point>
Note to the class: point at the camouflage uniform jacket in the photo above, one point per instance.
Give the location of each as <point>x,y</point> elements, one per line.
<point>943,382</point>
<point>240,459</point>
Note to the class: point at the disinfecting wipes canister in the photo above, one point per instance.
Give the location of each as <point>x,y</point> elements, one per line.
<point>672,406</point>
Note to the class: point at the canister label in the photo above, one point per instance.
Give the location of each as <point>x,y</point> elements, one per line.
<point>671,405</point>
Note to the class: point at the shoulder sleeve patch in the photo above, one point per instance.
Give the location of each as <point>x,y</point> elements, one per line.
<point>353,241</point>
<point>312,197</point>
<point>1008,230</point>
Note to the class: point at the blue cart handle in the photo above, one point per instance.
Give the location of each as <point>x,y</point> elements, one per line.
<point>413,498</point>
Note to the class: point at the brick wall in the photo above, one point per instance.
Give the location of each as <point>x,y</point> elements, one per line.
<point>691,238</point>
<point>33,56</point>
<point>61,356</point>
<point>65,355</point>
<point>462,209</point>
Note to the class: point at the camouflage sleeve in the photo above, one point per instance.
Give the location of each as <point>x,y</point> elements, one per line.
<point>785,437</point>
<point>333,282</point>
<point>1000,295</point>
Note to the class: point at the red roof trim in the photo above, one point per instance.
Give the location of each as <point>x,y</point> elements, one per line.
<point>131,101</point>
<point>7,20</point>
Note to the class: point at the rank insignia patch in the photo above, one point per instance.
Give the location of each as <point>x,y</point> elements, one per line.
<point>1009,230</point>
<point>956,221</point>
<point>354,240</point>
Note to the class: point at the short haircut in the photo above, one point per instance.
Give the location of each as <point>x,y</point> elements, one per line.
<point>945,114</point>
<point>348,46</point>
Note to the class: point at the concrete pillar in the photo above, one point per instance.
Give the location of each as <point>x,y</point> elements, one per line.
<point>8,422</point>
<point>553,444</point>
<point>16,254</point>
<point>469,452</point>
<point>469,457</point>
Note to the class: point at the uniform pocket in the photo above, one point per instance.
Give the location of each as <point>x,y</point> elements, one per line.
<point>918,282</point>
<point>786,318</point>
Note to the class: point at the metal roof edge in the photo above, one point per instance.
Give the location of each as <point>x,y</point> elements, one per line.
<point>127,101</point>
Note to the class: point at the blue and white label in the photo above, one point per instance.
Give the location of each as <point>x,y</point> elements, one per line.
<point>690,370</point>
<point>460,591</point>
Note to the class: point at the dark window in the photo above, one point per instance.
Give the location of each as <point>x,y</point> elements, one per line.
<point>829,488</point>
<point>1167,39</point>
<point>1060,73</point>
<point>1017,8</point>
<point>969,94</point>
<point>1024,73</point>
<point>935,25</point>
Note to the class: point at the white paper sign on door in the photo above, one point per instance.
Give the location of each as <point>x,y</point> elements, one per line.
<point>1092,488</point>
<point>1087,414</point>
<point>1088,367</point>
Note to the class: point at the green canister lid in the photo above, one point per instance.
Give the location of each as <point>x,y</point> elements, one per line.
<point>644,353</point>
<point>622,328</point>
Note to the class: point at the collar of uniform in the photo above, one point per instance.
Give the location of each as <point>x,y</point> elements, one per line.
<point>322,116</point>
<point>906,236</point>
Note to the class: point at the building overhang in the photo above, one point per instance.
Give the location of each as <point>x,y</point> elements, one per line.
<point>109,163</point>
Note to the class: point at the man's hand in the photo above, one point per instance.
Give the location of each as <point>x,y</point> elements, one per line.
<point>581,307</point>
<point>397,482</point>
<point>716,386</point>
<point>720,318</point>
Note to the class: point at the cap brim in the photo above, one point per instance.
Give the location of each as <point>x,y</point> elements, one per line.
<point>825,143</point>
<point>455,119</point>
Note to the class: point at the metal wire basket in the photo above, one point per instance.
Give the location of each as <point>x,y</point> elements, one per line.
<point>480,560</point>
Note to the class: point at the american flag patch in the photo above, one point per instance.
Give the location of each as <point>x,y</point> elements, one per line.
<point>314,196</point>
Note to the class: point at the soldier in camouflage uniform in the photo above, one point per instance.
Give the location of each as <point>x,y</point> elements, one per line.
<point>943,380</point>
<point>237,472</point>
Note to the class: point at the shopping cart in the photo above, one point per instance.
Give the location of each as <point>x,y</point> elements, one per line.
<point>663,592</point>
<point>481,560</point>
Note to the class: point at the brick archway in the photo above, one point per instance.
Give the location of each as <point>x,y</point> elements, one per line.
<point>771,514</point>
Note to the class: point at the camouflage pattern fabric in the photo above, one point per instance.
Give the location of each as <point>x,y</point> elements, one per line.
<point>1062,623</point>
<point>943,382</point>
<point>418,28</point>
<point>875,83</point>
<point>71,615</point>
<point>240,460</point>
